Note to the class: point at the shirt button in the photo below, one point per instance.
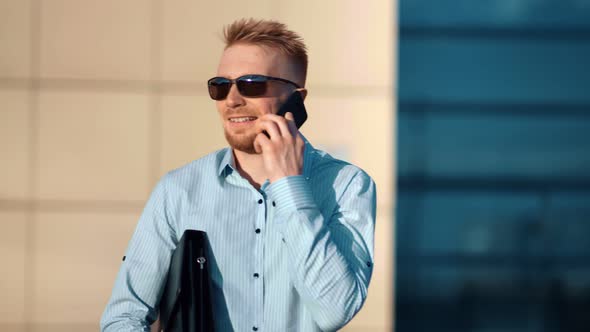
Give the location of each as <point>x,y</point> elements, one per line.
<point>273,203</point>
<point>257,230</point>
<point>260,201</point>
<point>256,275</point>
<point>254,328</point>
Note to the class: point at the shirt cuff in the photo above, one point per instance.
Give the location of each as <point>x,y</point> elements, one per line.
<point>289,195</point>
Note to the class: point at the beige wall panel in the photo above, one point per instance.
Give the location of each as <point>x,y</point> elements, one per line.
<point>77,259</point>
<point>15,134</point>
<point>13,327</point>
<point>373,143</point>
<point>94,146</point>
<point>191,128</point>
<point>106,39</point>
<point>377,310</point>
<point>12,269</point>
<point>63,327</point>
<point>329,125</point>
<point>358,130</point>
<point>350,42</point>
<point>192,35</point>
<point>15,38</point>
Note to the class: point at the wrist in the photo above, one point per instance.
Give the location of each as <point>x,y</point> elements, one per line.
<point>279,176</point>
<point>289,194</point>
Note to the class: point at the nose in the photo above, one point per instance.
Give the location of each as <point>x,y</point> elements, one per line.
<point>234,98</point>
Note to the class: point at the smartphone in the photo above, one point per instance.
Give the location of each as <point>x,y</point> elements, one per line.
<point>294,104</point>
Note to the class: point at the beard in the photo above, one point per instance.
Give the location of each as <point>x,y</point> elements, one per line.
<point>242,141</point>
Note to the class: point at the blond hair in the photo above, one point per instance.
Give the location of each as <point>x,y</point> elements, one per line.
<point>271,34</point>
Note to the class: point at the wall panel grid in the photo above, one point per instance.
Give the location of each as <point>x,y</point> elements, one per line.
<point>99,99</point>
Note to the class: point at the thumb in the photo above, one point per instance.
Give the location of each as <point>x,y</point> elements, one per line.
<point>257,146</point>
<point>289,116</point>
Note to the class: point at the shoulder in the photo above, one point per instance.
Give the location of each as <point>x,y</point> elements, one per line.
<point>196,171</point>
<point>326,167</point>
<point>323,162</point>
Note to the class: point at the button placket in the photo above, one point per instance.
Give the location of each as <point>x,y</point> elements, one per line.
<point>257,225</point>
<point>262,215</point>
<point>258,261</point>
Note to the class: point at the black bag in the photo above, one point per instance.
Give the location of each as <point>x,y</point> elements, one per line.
<point>186,304</point>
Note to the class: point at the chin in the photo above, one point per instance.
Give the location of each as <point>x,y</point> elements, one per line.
<point>243,143</point>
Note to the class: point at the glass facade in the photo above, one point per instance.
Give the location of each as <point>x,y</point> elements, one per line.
<point>493,211</point>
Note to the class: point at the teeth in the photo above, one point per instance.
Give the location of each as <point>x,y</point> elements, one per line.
<point>244,119</point>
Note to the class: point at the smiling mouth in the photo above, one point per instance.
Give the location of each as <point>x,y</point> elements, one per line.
<point>242,119</point>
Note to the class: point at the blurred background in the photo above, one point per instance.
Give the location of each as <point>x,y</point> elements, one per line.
<point>99,99</point>
<point>471,116</point>
<point>493,166</point>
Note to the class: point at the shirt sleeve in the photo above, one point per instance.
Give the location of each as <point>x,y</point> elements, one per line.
<point>139,283</point>
<point>332,253</point>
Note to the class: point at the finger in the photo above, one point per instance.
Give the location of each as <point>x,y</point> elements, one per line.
<point>260,142</point>
<point>271,128</point>
<point>257,147</point>
<point>283,124</point>
<point>291,124</point>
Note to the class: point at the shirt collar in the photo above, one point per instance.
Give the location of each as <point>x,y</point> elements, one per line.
<point>227,163</point>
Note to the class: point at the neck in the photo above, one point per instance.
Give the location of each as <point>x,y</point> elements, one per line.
<point>251,167</point>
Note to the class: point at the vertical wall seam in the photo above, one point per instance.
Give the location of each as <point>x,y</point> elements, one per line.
<point>33,185</point>
<point>155,118</point>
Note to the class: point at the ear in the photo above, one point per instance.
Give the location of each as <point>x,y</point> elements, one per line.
<point>303,92</point>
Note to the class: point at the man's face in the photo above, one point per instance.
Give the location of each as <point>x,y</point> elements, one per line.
<point>238,113</point>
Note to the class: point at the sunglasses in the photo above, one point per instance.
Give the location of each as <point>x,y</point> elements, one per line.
<point>248,85</point>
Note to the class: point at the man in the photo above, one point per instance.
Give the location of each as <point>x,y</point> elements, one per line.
<point>290,228</point>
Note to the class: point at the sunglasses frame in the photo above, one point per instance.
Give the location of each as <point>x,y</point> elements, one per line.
<point>255,78</point>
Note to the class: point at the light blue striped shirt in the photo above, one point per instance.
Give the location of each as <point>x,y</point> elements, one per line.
<point>296,255</point>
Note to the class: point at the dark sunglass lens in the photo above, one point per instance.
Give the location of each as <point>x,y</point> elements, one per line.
<point>252,85</point>
<point>218,88</point>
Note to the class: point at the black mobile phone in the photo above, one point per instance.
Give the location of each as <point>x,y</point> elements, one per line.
<point>294,104</point>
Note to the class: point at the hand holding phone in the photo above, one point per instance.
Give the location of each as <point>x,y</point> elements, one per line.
<point>284,157</point>
<point>293,104</point>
